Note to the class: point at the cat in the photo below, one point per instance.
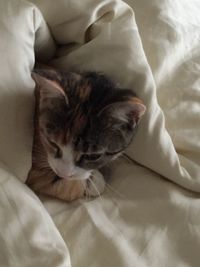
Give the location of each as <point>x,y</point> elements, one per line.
<point>82,122</point>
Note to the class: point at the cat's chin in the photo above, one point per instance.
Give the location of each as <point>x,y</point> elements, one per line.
<point>78,173</point>
<point>84,175</point>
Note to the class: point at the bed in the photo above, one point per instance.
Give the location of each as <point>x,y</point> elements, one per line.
<point>149,215</point>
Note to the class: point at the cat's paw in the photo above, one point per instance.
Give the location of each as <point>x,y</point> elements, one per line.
<point>95,184</point>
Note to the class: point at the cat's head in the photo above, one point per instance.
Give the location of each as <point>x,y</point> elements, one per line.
<point>85,120</point>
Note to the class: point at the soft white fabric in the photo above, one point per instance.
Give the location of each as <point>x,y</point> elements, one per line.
<point>19,21</point>
<point>28,236</point>
<point>103,36</point>
<point>149,221</point>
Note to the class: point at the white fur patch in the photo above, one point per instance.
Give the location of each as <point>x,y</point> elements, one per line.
<point>64,167</point>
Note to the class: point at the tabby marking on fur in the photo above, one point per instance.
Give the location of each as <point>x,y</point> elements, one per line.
<point>82,122</point>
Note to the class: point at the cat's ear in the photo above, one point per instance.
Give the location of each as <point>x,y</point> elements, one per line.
<point>128,112</point>
<point>49,89</point>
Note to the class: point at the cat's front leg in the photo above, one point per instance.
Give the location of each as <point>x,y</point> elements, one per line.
<point>51,185</point>
<point>95,184</point>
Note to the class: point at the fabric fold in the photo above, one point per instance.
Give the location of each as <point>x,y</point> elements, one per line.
<point>113,46</point>
<point>28,236</point>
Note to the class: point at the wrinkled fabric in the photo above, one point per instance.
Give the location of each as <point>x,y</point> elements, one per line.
<point>104,36</point>
<point>142,219</point>
<point>28,236</point>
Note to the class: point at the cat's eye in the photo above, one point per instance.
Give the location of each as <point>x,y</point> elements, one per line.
<point>112,153</point>
<point>91,157</point>
<point>58,153</point>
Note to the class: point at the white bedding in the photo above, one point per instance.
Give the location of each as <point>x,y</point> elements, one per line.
<point>147,220</point>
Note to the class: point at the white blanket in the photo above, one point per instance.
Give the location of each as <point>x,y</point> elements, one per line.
<point>149,221</point>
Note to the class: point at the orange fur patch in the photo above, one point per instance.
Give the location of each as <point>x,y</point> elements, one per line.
<point>84,92</point>
<point>58,87</point>
<point>134,100</point>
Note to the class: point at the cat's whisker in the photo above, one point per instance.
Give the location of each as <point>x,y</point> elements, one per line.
<point>114,191</point>
<point>95,188</point>
<point>87,195</point>
<point>86,191</point>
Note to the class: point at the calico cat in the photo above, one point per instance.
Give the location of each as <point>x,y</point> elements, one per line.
<point>82,122</point>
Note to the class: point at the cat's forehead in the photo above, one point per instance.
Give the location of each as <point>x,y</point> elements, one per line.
<point>87,96</point>
<point>84,90</point>
<point>64,130</point>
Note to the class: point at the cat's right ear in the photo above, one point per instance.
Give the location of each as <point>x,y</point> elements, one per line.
<point>49,89</point>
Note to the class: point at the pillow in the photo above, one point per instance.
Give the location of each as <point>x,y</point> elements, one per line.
<point>103,36</point>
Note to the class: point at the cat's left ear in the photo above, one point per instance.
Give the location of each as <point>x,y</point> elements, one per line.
<point>49,89</point>
<point>129,112</point>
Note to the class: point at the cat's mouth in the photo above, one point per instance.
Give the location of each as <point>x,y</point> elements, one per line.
<point>81,174</point>
<point>66,176</point>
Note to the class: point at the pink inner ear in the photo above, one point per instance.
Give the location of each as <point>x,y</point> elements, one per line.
<point>134,108</point>
<point>49,88</point>
<point>42,81</point>
<point>59,88</point>
<point>138,108</point>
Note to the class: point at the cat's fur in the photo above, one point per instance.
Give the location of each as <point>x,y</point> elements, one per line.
<point>82,122</point>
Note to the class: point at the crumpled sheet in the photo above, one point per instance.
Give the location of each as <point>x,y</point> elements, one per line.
<point>104,36</point>
<point>143,219</point>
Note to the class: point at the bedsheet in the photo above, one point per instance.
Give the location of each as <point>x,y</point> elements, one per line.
<point>141,221</point>
<point>149,214</point>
